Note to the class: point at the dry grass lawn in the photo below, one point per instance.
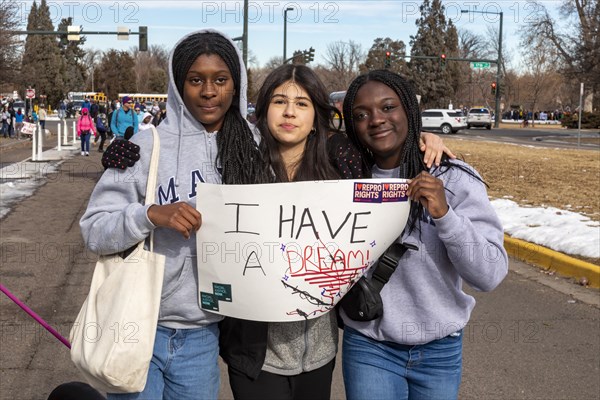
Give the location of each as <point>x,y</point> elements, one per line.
<point>536,176</point>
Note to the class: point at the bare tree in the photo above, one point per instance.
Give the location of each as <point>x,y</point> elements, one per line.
<point>577,45</point>
<point>91,60</point>
<point>471,45</point>
<point>539,61</point>
<point>344,59</point>
<point>151,69</point>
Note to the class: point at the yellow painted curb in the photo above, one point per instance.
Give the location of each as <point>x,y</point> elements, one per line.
<point>552,260</point>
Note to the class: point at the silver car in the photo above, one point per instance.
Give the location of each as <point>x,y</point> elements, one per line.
<point>479,117</point>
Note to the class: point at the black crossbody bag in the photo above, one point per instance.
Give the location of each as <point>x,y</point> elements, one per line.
<point>363,301</point>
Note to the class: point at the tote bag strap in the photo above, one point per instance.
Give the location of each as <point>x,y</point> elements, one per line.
<point>151,184</point>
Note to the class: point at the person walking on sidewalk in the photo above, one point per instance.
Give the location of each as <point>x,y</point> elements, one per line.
<point>5,115</point>
<point>100,131</point>
<point>123,118</point>
<point>85,128</point>
<point>42,115</point>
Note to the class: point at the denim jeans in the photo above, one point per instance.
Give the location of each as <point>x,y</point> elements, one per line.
<point>386,370</point>
<point>85,142</point>
<point>184,366</point>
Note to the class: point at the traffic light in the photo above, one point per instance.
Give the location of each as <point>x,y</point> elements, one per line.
<point>443,60</point>
<point>388,61</point>
<point>309,55</point>
<point>143,37</point>
<point>493,88</point>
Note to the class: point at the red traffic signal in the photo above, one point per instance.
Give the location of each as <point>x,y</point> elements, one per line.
<point>388,61</point>
<point>443,60</point>
<point>387,53</point>
<point>493,87</point>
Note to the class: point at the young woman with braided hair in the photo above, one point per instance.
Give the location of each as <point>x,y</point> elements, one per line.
<point>204,138</point>
<point>414,351</point>
<point>292,360</point>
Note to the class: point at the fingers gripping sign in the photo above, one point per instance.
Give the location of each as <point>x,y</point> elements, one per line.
<point>180,216</point>
<point>429,191</point>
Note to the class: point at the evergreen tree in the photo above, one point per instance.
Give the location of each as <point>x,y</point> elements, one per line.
<point>455,69</point>
<point>431,79</point>
<point>9,43</point>
<point>41,64</point>
<point>376,56</point>
<point>73,68</point>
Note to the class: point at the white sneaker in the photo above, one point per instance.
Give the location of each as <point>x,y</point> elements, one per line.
<point>83,153</point>
<point>87,154</point>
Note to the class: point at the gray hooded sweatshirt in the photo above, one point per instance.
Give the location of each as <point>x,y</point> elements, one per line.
<point>117,219</point>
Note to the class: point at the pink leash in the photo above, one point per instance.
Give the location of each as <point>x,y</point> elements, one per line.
<point>35,316</point>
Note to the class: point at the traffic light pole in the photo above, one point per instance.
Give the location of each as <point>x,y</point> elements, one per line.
<point>498,75</point>
<point>143,33</point>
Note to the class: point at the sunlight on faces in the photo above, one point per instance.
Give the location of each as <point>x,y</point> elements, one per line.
<point>208,91</point>
<point>291,117</point>
<point>380,123</point>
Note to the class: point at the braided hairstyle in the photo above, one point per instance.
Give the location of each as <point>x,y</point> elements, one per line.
<point>412,157</point>
<point>315,163</point>
<point>238,153</point>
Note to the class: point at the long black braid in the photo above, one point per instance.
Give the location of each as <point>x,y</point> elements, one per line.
<point>412,157</point>
<point>238,153</point>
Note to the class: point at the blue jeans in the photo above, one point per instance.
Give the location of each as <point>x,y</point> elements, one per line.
<point>85,142</point>
<point>386,370</point>
<point>184,366</point>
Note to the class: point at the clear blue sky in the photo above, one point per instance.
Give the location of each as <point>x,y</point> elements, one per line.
<point>312,23</point>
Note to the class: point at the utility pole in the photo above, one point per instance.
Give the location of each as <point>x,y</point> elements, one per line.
<point>498,75</point>
<point>245,35</point>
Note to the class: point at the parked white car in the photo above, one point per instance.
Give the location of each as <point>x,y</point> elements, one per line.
<point>448,121</point>
<point>479,117</point>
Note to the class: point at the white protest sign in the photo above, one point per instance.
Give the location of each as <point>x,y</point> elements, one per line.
<point>28,128</point>
<point>290,251</point>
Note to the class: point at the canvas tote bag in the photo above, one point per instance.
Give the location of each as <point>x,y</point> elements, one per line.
<point>112,339</point>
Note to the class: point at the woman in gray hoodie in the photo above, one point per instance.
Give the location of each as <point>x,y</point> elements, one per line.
<point>205,139</point>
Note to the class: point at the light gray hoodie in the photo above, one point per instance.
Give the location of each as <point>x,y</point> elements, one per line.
<point>116,218</point>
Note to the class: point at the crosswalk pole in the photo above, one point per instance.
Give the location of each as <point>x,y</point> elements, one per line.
<point>66,133</point>
<point>58,135</point>
<point>34,145</point>
<point>40,142</point>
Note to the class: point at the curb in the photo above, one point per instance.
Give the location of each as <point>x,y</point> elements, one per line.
<point>552,260</point>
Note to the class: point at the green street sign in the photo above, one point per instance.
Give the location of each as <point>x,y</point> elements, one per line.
<point>480,65</point>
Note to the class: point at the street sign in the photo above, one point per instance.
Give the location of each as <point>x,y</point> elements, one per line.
<point>480,65</point>
<point>30,94</point>
<point>73,33</point>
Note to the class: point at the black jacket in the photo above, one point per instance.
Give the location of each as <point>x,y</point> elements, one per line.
<point>243,345</point>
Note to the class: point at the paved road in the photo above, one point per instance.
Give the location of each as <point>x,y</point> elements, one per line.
<point>536,337</point>
<point>588,140</point>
